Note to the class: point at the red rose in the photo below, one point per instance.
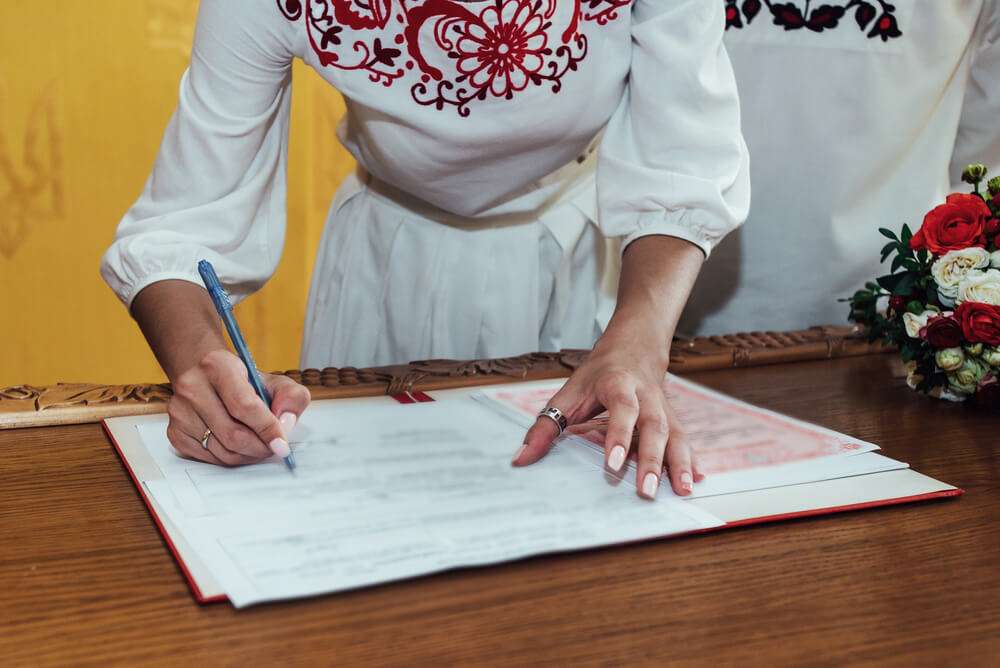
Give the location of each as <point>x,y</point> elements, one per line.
<point>992,227</point>
<point>897,303</point>
<point>980,322</point>
<point>956,224</point>
<point>943,331</point>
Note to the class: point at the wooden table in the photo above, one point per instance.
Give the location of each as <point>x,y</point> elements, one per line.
<point>87,580</point>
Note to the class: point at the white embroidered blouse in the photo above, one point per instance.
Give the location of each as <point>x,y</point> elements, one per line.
<point>464,104</point>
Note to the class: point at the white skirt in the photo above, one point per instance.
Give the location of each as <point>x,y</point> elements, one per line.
<point>397,281</point>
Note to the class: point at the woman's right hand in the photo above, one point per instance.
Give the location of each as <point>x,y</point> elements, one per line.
<point>216,395</point>
<point>211,390</point>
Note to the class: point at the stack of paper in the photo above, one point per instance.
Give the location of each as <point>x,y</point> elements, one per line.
<point>385,491</point>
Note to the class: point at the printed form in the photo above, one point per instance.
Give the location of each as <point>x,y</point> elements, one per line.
<point>391,491</point>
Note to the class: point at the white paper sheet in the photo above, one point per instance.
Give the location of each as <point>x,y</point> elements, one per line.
<point>388,492</point>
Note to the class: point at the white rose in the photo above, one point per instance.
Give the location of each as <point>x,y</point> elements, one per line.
<point>981,286</point>
<point>951,269</point>
<point>914,323</point>
<point>966,379</point>
<point>949,359</point>
<point>995,259</point>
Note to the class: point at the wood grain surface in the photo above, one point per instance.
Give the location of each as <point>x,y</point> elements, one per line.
<point>87,580</point>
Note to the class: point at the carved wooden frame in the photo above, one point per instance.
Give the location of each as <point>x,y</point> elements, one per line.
<point>77,403</point>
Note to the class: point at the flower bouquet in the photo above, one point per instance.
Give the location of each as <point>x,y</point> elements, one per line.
<point>943,291</point>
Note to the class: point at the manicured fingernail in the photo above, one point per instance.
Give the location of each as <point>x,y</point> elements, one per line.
<point>279,446</point>
<point>287,422</point>
<point>687,482</point>
<point>616,458</point>
<point>520,452</point>
<point>649,484</point>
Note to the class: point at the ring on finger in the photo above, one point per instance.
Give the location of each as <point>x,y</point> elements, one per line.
<point>556,415</point>
<point>204,438</point>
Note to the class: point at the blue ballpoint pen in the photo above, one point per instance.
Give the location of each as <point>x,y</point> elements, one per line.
<point>225,309</point>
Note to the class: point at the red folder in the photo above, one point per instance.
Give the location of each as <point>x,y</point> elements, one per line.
<point>741,509</point>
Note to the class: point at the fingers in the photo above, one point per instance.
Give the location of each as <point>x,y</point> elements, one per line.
<point>539,439</point>
<point>623,412</point>
<point>537,442</point>
<point>681,459</point>
<point>679,462</point>
<point>185,431</point>
<point>288,401</point>
<point>695,468</point>
<point>654,430</point>
<point>197,405</point>
<point>187,446</point>
<point>240,406</point>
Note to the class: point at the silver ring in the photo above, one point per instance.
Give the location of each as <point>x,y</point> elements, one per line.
<point>556,415</point>
<point>205,437</point>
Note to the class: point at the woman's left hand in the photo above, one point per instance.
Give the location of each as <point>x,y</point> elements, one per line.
<point>630,387</point>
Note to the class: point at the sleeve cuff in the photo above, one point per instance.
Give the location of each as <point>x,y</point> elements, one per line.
<point>128,293</point>
<point>678,225</point>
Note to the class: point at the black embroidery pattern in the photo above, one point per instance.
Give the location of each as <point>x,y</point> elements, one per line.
<point>877,17</point>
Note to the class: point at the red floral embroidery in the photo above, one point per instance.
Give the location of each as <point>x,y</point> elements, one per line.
<point>497,50</point>
<point>820,17</point>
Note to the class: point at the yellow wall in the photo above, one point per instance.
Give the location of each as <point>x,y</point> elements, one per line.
<point>86,89</point>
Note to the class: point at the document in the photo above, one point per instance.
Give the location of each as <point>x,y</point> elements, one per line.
<point>740,447</point>
<point>384,492</point>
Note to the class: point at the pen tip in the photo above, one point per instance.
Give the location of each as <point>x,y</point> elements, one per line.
<point>290,462</point>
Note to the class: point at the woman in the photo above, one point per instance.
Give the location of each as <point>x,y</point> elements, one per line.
<point>477,224</point>
<point>861,117</point>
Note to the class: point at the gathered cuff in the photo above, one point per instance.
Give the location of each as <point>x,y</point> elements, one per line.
<point>679,224</point>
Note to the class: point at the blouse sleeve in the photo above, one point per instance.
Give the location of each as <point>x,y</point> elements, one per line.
<point>979,130</point>
<point>673,160</point>
<point>217,189</point>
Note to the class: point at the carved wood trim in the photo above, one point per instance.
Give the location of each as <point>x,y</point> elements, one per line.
<point>76,403</point>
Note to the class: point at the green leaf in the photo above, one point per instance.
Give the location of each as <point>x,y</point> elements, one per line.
<point>890,282</point>
<point>897,262</point>
<point>905,285</point>
<point>888,233</point>
<point>907,234</point>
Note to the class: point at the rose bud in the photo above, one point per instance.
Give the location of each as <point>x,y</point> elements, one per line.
<point>991,356</point>
<point>992,227</point>
<point>974,173</point>
<point>949,359</point>
<point>967,377</point>
<point>898,304</point>
<point>994,186</point>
